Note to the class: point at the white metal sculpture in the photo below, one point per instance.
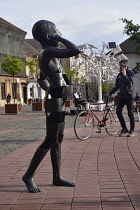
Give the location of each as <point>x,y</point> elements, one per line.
<point>101,65</point>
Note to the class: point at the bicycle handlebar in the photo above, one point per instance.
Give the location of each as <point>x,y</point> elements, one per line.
<point>106,99</point>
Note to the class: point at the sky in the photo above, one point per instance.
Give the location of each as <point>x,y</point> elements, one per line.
<point>80,21</point>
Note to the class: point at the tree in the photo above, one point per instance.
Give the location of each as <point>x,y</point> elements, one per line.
<point>72,74</point>
<point>111,85</point>
<point>105,88</point>
<point>137,68</point>
<point>13,66</point>
<point>133,31</point>
<point>34,66</point>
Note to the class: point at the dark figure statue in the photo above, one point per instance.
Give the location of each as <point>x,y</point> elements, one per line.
<point>56,84</point>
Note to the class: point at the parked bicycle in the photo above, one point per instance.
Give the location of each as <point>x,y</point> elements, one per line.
<point>84,122</point>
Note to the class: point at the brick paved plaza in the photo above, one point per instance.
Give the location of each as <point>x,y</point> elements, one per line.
<point>105,169</point>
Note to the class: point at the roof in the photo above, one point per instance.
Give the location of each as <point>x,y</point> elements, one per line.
<point>30,51</point>
<point>10,24</point>
<point>129,46</point>
<point>35,44</point>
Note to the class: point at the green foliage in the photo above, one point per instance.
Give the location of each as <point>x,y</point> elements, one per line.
<point>72,74</point>
<point>34,66</point>
<point>131,29</point>
<point>85,80</point>
<point>105,87</point>
<point>111,85</point>
<point>13,66</point>
<point>137,68</point>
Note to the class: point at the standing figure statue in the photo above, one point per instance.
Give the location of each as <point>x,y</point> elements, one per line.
<point>56,84</point>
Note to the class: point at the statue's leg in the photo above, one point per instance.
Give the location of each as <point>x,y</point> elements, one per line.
<point>28,176</point>
<point>50,140</point>
<point>56,160</point>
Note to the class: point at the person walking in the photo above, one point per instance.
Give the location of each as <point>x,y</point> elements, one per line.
<point>125,85</point>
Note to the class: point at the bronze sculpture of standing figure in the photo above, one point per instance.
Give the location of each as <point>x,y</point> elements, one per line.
<point>56,84</point>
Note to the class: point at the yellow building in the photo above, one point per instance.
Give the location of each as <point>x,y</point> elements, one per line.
<point>11,43</point>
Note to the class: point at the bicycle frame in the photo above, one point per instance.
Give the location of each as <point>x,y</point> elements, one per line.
<point>84,121</point>
<point>102,121</point>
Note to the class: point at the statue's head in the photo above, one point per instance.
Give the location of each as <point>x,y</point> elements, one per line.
<point>41,29</point>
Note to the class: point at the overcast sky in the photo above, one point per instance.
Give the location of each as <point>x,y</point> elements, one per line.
<point>81,21</point>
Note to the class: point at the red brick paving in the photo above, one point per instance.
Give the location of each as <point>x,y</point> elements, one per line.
<point>105,169</point>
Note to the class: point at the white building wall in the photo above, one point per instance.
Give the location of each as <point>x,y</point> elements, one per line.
<point>34,91</point>
<point>137,83</point>
<point>134,58</point>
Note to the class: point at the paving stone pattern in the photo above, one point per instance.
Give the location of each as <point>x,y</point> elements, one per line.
<point>105,169</point>
<point>18,130</point>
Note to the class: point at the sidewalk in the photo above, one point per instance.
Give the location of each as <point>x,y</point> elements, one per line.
<point>105,169</point>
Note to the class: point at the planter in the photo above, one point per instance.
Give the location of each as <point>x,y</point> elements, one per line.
<point>38,106</point>
<point>69,103</point>
<point>13,108</point>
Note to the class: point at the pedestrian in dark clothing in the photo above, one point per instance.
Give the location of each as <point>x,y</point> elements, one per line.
<point>124,84</point>
<point>8,98</point>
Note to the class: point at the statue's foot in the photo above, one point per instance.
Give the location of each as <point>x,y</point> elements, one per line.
<point>31,186</point>
<point>62,182</point>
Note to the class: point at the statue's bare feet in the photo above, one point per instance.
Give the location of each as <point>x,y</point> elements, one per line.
<point>62,182</point>
<point>31,186</point>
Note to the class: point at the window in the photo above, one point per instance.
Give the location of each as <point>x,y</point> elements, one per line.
<point>31,92</point>
<point>14,90</point>
<point>3,94</point>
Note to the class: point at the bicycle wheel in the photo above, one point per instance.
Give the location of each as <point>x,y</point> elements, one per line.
<point>84,125</point>
<point>112,124</point>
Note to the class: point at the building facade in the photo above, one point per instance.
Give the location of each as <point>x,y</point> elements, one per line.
<point>129,49</point>
<point>12,43</point>
<point>34,91</point>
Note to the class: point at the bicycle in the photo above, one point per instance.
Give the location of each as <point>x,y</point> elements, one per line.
<point>84,122</point>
